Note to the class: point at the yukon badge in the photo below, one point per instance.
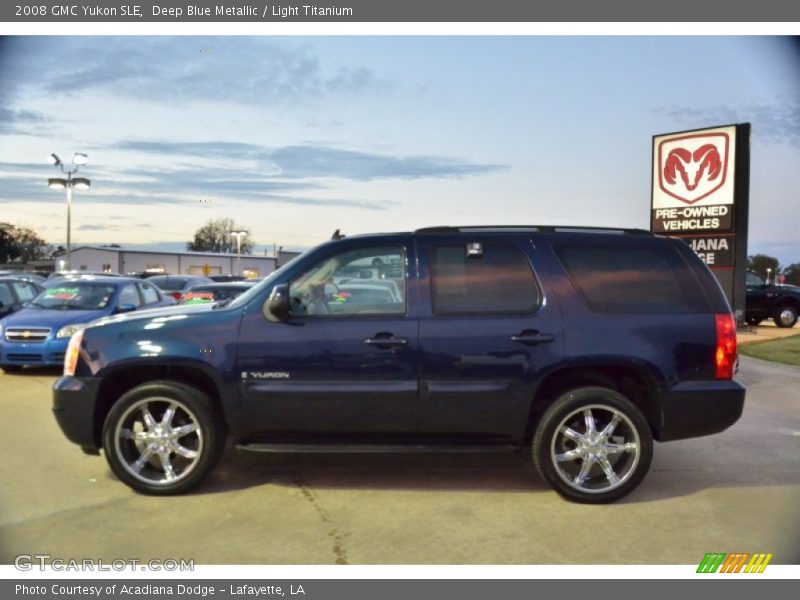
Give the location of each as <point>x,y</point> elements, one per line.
<point>264,375</point>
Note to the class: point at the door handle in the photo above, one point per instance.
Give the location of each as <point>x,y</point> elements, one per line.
<point>386,341</point>
<point>531,338</point>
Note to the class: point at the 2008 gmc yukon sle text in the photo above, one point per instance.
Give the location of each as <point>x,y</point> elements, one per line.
<point>584,344</point>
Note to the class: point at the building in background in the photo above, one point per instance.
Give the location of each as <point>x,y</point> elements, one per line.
<point>123,261</point>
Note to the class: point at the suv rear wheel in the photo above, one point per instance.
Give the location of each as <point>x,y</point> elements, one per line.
<point>593,445</point>
<point>785,316</point>
<point>163,437</point>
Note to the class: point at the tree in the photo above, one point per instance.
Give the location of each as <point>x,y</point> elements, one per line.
<point>20,244</point>
<point>792,273</point>
<point>215,236</point>
<point>761,262</point>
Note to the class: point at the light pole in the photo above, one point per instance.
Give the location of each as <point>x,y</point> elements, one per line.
<point>769,270</point>
<point>238,235</point>
<point>58,183</point>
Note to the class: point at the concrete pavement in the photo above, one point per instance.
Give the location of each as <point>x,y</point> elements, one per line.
<point>736,491</point>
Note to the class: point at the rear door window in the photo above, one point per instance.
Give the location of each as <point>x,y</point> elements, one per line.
<point>5,294</point>
<point>25,291</point>
<point>149,293</point>
<point>482,278</point>
<point>628,279</point>
<point>129,295</point>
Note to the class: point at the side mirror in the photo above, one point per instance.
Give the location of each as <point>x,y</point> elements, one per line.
<point>123,308</point>
<point>277,305</point>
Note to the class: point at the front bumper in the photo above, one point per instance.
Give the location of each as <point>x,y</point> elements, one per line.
<point>697,408</point>
<point>74,408</point>
<point>48,353</point>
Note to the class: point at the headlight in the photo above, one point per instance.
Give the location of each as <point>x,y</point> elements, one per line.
<point>69,330</point>
<point>73,351</point>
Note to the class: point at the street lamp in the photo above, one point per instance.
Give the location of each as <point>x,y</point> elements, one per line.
<point>57,183</point>
<point>769,270</point>
<point>238,235</point>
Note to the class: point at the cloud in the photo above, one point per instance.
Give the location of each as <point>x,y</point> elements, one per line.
<point>110,226</point>
<point>297,175</point>
<point>775,122</point>
<point>183,69</point>
<point>27,182</point>
<point>11,119</point>
<point>315,161</point>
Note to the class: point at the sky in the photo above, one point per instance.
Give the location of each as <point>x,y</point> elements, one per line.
<point>294,137</point>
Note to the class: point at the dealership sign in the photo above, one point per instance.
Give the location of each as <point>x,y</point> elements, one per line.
<point>700,193</point>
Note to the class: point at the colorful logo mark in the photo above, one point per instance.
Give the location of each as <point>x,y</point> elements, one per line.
<point>692,167</point>
<point>737,562</point>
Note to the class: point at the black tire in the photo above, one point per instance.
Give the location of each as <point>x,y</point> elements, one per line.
<point>12,368</point>
<point>136,446</point>
<point>754,320</point>
<point>785,316</point>
<point>563,431</point>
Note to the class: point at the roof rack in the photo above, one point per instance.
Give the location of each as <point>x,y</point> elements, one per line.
<point>446,229</point>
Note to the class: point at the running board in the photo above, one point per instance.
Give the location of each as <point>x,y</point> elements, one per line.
<point>371,449</point>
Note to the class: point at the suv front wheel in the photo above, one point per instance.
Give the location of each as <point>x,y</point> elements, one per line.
<point>163,437</point>
<point>593,445</point>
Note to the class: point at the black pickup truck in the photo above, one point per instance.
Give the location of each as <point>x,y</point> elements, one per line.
<point>766,300</point>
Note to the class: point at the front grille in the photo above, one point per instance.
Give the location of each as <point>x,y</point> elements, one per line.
<point>27,334</point>
<point>24,358</point>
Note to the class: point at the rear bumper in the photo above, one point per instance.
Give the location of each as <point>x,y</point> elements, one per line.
<point>697,408</point>
<point>74,409</point>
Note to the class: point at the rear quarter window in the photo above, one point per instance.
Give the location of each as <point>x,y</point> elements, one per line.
<point>630,279</point>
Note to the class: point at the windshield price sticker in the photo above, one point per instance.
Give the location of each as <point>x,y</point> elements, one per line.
<point>198,297</point>
<point>61,293</point>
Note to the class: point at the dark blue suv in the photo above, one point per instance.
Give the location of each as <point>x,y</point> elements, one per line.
<point>584,345</point>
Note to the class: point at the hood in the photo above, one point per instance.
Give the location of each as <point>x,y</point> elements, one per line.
<point>53,318</point>
<point>785,287</point>
<point>162,313</point>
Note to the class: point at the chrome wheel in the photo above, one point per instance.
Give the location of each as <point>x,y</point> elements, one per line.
<point>787,317</point>
<point>158,440</point>
<point>595,449</point>
<point>593,445</point>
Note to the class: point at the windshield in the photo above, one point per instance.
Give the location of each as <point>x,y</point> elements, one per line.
<point>169,284</point>
<point>74,295</point>
<point>256,289</point>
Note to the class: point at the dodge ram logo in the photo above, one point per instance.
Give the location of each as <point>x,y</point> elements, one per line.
<point>692,167</point>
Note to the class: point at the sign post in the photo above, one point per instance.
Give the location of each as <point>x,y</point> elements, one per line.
<point>700,193</point>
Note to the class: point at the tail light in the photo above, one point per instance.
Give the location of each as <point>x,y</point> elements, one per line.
<point>73,351</point>
<point>725,355</point>
<point>176,295</point>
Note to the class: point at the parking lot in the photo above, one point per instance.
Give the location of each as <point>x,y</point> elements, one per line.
<point>736,491</point>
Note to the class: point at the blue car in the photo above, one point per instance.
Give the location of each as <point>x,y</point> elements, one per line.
<point>38,334</point>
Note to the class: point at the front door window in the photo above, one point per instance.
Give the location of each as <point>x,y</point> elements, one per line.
<point>369,281</point>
